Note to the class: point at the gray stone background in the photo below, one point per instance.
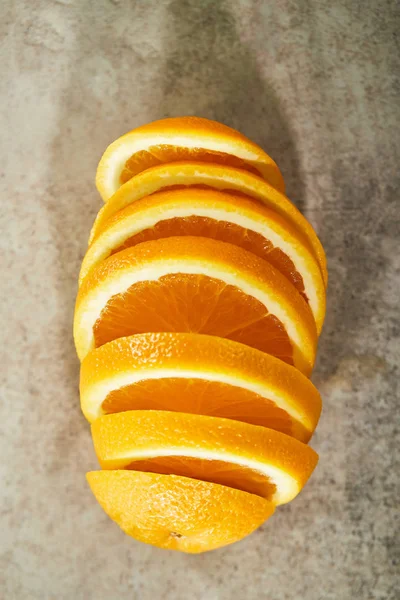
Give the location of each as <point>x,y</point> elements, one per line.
<point>316,83</point>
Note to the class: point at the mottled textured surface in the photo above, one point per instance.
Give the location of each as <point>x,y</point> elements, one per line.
<point>317,84</point>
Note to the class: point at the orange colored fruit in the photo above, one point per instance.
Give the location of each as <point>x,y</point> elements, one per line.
<point>210,176</point>
<point>187,284</point>
<point>242,456</point>
<point>201,298</point>
<point>198,374</point>
<point>178,513</point>
<point>221,216</point>
<point>177,139</point>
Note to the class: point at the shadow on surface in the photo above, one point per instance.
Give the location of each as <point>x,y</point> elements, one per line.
<point>357,216</point>
<point>209,72</point>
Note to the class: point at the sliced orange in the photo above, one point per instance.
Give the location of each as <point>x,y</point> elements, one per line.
<point>177,139</point>
<point>242,456</point>
<point>178,513</point>
<point>187,284</point>
<point>226,217</point>
<point>210,176</point>
<point>199,374</point>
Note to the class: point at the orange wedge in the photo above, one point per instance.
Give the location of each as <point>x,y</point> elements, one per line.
<point>177,139</point>
<point>225,217</point>
<point>253,459</point>
<point>178,513</point>
<point>187,284</point>
<point>199,374</point>
<point>210,176</point>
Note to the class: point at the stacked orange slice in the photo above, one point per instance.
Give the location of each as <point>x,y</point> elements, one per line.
<point>201,298</point>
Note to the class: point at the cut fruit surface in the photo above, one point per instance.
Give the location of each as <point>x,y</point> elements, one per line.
<point>210,176</point>
<point>242,456</point>
<point>201,298</point>
<point>187,284</point>
<point>177,139</point>
<point>178,513</point>
<point>199,374</point>
<point>221,216</point>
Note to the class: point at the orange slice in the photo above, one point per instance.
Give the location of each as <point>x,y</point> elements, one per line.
<point>177,139</point>
<point>187,284</point>
<point>221,216</point>
<point>178,513</point>
<point>198,374</point>
<point>211,176</point>
<point>242,456</point>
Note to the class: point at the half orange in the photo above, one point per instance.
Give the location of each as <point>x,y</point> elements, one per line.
<point>178,513</point>
<point>221,216</point>
<point>198,374</point>
<point>210,176</point>
<point>246,457</point>
<point>186,284</point>
<point>177,139</point>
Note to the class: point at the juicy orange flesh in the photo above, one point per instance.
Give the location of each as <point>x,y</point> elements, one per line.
<point>224,232</point>
<point>192,303</point>
<point>213,471</point>
<point>201,397</point>
<point>166,153</point>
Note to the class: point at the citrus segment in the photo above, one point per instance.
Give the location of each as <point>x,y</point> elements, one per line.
<point>211,176</point>
<point>177,139</point>
<point>250,455</point>
<point>178,513</point>
<point>198,374</point>
<point>199,285</point>
<point>221,216</point>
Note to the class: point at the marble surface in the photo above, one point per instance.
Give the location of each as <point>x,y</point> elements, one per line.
<point>317,84</point>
